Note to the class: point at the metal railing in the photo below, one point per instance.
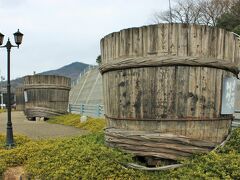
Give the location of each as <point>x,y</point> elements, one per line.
<point>87,109</point>
<point>98,111</point>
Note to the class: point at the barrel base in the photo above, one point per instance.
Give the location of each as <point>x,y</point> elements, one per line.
<point>156,144</point>
<point>42,112</point>
<point>154,162</point>
<point>212,130</point>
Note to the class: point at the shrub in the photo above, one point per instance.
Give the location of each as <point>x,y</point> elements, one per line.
<point>68,119</point>
<point>86,157</point>
<point>15,156</point>
<point>234,142</point>
<point>79,158</point>
<point>92,124</point>
<point>69,158</point>
<point>210,166</point>
<point>18,139</point>
<point>222,165</point>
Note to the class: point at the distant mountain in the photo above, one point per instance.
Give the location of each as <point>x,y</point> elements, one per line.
<point>72,71</point>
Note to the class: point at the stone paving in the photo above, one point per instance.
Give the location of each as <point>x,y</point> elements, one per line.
<point>37,129</point>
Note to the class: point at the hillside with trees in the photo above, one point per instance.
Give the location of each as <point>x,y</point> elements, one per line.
<point>71,70</point>
<point>220,13</point>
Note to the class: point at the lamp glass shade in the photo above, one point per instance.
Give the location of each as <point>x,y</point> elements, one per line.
<point>1,38</point>
<point>18,37</point>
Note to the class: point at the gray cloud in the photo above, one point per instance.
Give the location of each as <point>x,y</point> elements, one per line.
<point>11,3</point>
<point>58,32</point>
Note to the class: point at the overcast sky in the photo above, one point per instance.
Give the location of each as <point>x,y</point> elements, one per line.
<point>59,32</point>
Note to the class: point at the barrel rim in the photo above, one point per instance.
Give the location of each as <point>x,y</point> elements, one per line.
<point>179,24</point>
<point>46,76</point>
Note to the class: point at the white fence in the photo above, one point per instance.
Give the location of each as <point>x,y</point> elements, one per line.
<point>87,110</point>
<point>236,121</point>
<point>98,111</point>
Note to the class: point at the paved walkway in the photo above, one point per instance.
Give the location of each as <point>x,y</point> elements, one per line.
<point>37,129</point>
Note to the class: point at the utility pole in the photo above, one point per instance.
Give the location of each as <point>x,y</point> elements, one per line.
<point>1,90</point>
<point>170,11</point>
<point>18,40</point>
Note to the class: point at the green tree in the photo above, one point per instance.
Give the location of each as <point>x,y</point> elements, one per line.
<point>99,60</point>
<point>231,20</point>
<point>237,29</point>
<point>205,12</point>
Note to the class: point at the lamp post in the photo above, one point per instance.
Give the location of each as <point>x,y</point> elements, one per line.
<point>2,79</point>
<point>18,40</point>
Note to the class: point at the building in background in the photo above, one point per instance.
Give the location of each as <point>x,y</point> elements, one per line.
<point>4,98</point>
<point>86,96</point>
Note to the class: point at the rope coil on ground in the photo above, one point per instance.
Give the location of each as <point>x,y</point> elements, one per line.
<point>172,166</point>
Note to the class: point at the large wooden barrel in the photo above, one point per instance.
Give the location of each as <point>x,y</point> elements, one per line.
<point>46,95</point>
<point>20,103</point>
<point>162,88</point>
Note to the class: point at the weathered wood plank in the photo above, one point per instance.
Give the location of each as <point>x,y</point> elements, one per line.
<point>167,79</point>
<point>47,95</point>
<point>20,102</point>
<point>147,142</point>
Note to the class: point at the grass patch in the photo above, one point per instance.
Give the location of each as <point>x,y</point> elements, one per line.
<point>6,158</point>
<point>234,143</point>
<point>86,157</point>
<point>19,140</point>
<point>2,110</point>
<point>83,157</point>
<point>222,165</point>
<point>92,124</point>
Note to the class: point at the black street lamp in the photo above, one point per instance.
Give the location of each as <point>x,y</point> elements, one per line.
<point>18,40</point>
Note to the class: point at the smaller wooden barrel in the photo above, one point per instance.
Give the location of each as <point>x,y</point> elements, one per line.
<point>46,95</point>
<point>20,103</point>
